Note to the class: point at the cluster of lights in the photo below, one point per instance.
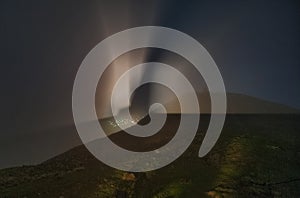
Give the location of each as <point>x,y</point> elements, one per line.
<point>123,122</point>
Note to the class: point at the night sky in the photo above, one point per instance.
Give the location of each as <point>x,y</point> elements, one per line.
<point>256,45</point>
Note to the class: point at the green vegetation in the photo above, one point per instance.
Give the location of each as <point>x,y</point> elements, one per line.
<point>256,156</point>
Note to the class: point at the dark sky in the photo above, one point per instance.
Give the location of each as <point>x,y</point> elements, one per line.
<point>255,44</point>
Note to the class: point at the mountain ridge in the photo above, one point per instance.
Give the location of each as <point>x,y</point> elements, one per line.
<point>237,104</point>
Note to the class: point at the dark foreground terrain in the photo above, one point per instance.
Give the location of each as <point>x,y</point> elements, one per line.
<point>256,156</point>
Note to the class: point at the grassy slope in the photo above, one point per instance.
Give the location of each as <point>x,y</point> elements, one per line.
<point>256,155</point>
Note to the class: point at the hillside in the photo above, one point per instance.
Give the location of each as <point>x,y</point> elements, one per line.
<point>256,156</point>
